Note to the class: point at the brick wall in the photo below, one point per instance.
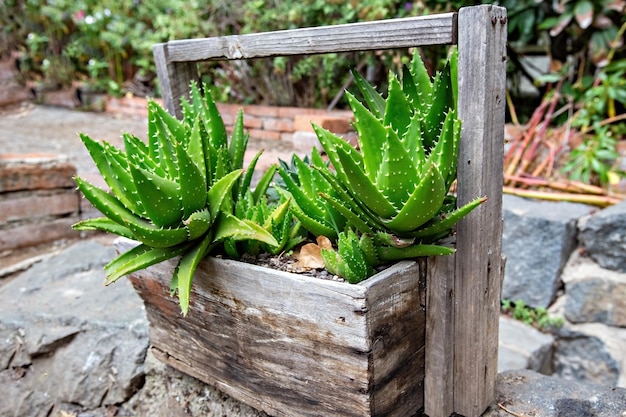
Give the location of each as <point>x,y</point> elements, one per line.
<point>262,122</point>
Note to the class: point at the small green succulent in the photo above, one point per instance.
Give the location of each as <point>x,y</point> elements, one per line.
<point>275,217</point>
<point>354,258</point>
<point>176,195</point>
<point>393,188</point>
<point>303,182</point>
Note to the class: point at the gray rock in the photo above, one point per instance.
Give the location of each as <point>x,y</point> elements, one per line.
<point>526,393</point>
<point>67,340</point>
<point>594,294</point>
<point>591,352</point>
<point>524,347</point>
<point>603,236</point>
<point>537,240</point>
<point>168,392</point>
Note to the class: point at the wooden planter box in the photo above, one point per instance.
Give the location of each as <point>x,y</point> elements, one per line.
<point>418,336</point>
<point>293,345</point>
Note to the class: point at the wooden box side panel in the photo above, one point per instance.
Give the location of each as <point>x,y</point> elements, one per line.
<point>397,326</point>
<point>290,347</point>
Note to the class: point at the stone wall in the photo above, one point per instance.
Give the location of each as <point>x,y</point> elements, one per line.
<point>571,259</point>
<point>38,199</point>
<point>12,91</point>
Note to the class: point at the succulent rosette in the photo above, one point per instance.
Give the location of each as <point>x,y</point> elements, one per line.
<point>175,194</point>
<point>394,187</point>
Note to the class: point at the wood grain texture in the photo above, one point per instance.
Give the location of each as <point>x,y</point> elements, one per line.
<point>393,33</point>
<point>482,75</point>
<point>439,360</point>
<point>396,321</point>
<point>292,345</point>
<point>174,77</point>
<point>175,60</point>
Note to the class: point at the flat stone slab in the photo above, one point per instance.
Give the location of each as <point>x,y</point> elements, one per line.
<point>591,352</point>
<point>594,294</point>
<point>35,171</point>
<point>527,393</point>
<point>67,340</point>
<point>523,347</point>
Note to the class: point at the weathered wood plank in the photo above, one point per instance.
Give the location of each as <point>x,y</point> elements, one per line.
<point>393,33</point>
<point>292,345</point>
<point>174,78</point>
<point>396,324</point>
<point>175,59</point>
<point>439,361</point>
<point>482,75</point>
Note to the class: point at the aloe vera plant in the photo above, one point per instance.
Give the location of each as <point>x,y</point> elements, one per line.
<point>305,182</point>
<point>393,189</point>
<point>275,217</point>
<point>176,194</point>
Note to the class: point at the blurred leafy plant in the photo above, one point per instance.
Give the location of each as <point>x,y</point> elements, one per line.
<point>305,81</point>
<point>537,317</point>
<point>70,34</point>
<point>79,36</point>
<point>580,137</point>
<point>600,102</point>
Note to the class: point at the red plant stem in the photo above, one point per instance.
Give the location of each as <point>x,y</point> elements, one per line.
<point>512,111</point>
<point>613,119</point>
<point>529,155</point>
<point>515,153</point>
<point>551,159</point>
<point>542,166</point>
<point>530,129</point>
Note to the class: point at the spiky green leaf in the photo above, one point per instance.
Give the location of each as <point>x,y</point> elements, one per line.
<point>238,142</point>
<point>140,257</point>
<point>390,253</point>
<point>422,205</point>
<point>160,197</point>
<point>104,224</point>
<point>191,182</point>
<point>220,193</point>
<point>396,177</point>
<point>399,111</point>
<point>374,100</point>
<point>371,135</point>
<point>448,220</point>
<point>230,227</point>
<point>364,188</point>
<point>183,274</point>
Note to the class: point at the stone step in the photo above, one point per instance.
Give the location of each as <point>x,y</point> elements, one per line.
<point>524,347</point>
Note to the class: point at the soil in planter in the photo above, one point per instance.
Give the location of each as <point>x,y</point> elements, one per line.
<point>290,263</point>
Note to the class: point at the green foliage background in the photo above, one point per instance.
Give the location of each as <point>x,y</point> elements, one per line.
<point>106,46</point>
